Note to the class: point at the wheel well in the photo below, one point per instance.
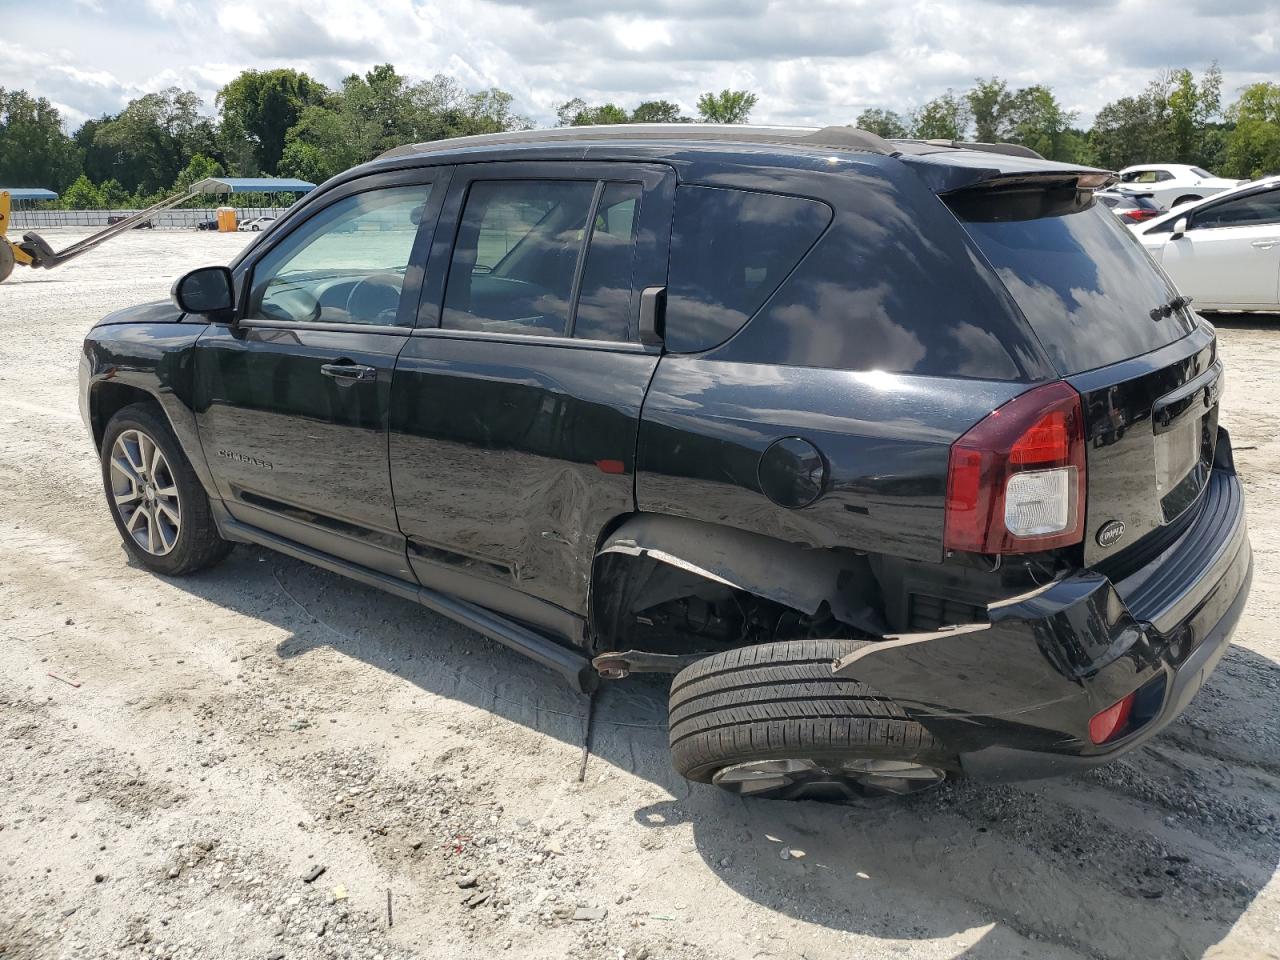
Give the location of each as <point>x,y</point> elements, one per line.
<point>1187,199</point>
<point>671,585</point>
<point>107,399</point>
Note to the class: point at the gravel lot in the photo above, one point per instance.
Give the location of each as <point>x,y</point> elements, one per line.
<point>234,732</point>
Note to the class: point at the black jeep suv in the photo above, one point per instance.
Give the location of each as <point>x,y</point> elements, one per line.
<point>902,456</point>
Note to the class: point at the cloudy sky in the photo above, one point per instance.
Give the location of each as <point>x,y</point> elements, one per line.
<point>812,61</point>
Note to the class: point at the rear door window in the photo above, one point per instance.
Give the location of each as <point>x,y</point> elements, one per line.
<point>730,250</point>
<point>604,302</point>
<point>516,256</point>
<point>1256,209</point>
<point>1083,281</point>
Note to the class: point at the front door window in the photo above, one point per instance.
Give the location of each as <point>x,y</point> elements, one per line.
<point>345,265</point>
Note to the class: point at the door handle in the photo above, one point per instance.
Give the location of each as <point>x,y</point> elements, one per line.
<point>349,371</point>
<point>653,302</point>
<point>1264,244</point>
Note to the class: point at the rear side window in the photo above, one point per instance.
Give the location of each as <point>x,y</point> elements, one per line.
<point>730,250</point>
<point>1257,209</point>
<point>1084,283</point>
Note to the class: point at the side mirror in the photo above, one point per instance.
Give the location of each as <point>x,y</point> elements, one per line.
<point>207,290</point>
<point>1179,228</point>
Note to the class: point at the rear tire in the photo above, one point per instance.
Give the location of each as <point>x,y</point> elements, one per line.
<point>1187,199</point>
<point>772,721</point>
<point>157,502</point>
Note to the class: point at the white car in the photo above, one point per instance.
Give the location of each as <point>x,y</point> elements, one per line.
<point>1173,184</point>
<point>1223,252</point>
<point>256,224</point>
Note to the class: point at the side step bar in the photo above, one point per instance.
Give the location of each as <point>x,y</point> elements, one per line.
<point>574,667</point>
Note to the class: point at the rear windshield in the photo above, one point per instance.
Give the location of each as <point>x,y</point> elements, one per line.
<point>1083,281</point>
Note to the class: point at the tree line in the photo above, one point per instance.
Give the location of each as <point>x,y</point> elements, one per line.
<point>285,123</point>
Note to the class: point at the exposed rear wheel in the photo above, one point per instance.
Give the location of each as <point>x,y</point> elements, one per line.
<point>1187,199</point>
<point>156,500</point>
<point>772,721</point>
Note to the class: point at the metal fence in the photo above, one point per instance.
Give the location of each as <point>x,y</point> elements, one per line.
<point>164,220</point>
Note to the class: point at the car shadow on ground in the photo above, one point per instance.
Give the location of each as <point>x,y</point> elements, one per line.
<point>1154,856</point>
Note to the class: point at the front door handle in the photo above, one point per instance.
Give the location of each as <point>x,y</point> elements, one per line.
<point>1264,244</point>
<point>349,371</point>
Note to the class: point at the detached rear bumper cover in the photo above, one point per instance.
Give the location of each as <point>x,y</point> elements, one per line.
<point>1015,699</point>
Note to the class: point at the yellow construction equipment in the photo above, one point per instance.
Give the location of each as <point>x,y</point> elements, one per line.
<point>34,251</point>
<point>10,253</point>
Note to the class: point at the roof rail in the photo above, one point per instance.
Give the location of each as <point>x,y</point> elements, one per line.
<point>833,138</point>
<point>1007,149</point>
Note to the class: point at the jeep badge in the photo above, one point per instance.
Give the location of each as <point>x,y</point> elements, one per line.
<point>1110,533</point>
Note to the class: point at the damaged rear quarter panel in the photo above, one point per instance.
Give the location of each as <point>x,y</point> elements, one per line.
<point>884,439</point>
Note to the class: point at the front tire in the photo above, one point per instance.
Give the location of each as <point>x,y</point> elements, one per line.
<point>773,721</point>
<point>155,498</point>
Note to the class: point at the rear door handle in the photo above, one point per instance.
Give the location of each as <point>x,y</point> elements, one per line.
<point>1264,244</point>
<point>349,371</point>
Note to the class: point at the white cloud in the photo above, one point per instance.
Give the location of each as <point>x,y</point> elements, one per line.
<point>811,61</point>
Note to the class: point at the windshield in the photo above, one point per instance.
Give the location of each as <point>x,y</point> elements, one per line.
<point>1199,172</point>
<point>1084,283</point>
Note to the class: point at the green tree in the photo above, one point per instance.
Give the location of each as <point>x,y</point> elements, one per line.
<point>381,110</point>
<point>325,141</point>
<point>885,123</point>
<point>1171,120</point>
<point>1253,144</point>
<point>153,138</point>
<point>34,151</point>
<point>1127,131</point>
<point>658,111</point>
<point>603,114</point>
<point>1191,108</point>
<point>198,168</point>
<point>262,105</point>
<point>491,111</point>
<point>942,118</point>
<point>114,196</point>
<point>569,110</point>
<point>578,113</point>
<point>83,195</point>
<point>1037,120</point>
<point>727,106</point>
<point>990,105</point>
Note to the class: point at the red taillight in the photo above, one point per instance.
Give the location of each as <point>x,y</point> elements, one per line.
<point>1110,722</point>
<point>1138,215</point>
<point>1016,480</point>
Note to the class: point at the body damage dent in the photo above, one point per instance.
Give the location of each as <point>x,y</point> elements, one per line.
<point>786,573</point>
<point>1034,655</point>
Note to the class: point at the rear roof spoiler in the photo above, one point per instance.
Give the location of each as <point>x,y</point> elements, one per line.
<point>1007,149</point>
<point>966,167</point>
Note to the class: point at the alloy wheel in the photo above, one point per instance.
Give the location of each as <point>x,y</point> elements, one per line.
<point>834,781</point>
<point>144,493</point>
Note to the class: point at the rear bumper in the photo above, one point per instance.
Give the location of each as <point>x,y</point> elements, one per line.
<point>1014,700</point>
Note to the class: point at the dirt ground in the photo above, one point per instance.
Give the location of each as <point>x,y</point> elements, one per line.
<point>235,732</point>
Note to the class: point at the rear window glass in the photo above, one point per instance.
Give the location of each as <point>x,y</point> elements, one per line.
<point>730,250</point>
<point>1084,283</point>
